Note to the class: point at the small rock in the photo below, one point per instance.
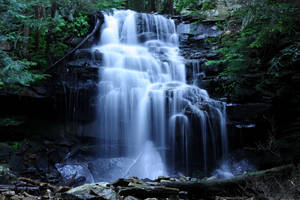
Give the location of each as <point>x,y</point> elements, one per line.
<point>165,181</point>
<point>92,191</point>
<point>160,178</point>
<point>130,198</point>
<point>211,178</point>
<point>15,197</point>
<point>183,195</point>
<point>211,55</point>
<point>9,193</point>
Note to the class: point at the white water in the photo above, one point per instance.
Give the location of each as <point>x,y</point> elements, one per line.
<point>145,105</point>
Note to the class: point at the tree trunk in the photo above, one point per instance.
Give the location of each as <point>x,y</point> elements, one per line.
<point>48,37</point>
<point>151,6</point>
<point>137,5</point>
<point>168,6</point>
<point>26,42</point>
<point>158,5</point>
<point>38,15</point>
<point>98,23</point>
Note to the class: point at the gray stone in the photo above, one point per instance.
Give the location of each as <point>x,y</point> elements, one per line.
<point>92,191</point>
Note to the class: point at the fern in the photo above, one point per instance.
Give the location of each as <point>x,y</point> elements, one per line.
<point>15,73</point>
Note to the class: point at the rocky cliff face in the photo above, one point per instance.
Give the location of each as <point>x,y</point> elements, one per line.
<point>247,111</point>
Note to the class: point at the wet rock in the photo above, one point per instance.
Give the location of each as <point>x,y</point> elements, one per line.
<point>121,182</point>
<point>92,191</point>
<point>211,55</point>
<point>162,178</point>
<point>194,179</point>
<point>198,31</point>
<point>97,56</point>
<point>109,169</point>
<point>75,171</point>
<point>142,37</point>
<point>82,54</point>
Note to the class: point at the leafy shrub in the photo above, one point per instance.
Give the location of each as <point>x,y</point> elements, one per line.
<point>266,44</point>
<point>39,31</point>
<point>208,5</point>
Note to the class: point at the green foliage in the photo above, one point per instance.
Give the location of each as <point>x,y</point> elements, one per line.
<point>208,5</point>
<point>118,4</point>
<point>39,31</point>
<point>15,145</point>
<point>226,88</point>
<point>186,4</point>
<point>286,58</point>
<point>195,5</point>
<point>79,25</point>
<point>15,73</point>
<point>267,43</point>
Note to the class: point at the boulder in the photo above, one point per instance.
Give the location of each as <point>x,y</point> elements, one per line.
<point>92,191</point>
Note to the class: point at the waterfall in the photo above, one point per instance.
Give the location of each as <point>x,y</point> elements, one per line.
<point>146,110</point>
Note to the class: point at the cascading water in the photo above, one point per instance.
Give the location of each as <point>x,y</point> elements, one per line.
<point>147,112</point>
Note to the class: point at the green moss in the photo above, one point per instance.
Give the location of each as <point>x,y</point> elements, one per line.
<point>209,5</point>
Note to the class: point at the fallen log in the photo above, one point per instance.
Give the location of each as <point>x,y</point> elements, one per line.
<point>99,22</point>
<point>146,191</point>
<point>229,186</point>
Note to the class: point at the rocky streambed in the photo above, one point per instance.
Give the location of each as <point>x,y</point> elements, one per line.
<point>279,182</point>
